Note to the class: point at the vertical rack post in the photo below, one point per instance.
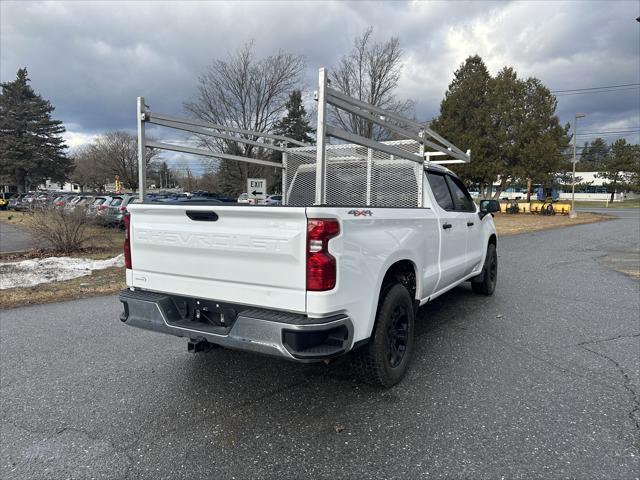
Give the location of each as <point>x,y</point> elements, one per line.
<point>369,173</point>
<point>142,147</point>
<point>285,155</point>
<point>321,168</point>
<point>420,169</point>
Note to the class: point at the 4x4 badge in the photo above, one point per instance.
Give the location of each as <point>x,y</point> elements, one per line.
<point>360,213</point>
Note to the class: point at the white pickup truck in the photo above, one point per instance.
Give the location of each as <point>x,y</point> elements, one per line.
<point>312,282</point>
<point>307,283</point>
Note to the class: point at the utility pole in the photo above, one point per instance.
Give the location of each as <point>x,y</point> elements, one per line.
<point>573,213</point>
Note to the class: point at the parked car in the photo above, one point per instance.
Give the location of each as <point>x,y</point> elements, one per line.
<point>97,205</point>
<point>24,202</point>
<point>80,201</point>
<point>59,200</point>
<point>117,208</point>
<point>4,200</point>
<point>214,195</point>
<point>44,199</point>
<point>70,203</point>
<point>200,200</point>
<point>16,201</point>
<point>167,198</point>
<point>273,200</point>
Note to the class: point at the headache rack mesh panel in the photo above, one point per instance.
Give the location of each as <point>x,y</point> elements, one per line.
<point>356,176</point>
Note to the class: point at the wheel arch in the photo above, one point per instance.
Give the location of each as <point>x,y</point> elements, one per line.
<point>493,240</point>
<point>403,271</point>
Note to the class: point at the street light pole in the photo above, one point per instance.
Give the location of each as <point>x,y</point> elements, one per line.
<point>573,213</point>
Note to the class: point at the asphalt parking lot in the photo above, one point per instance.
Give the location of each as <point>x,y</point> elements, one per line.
<point>540,380</point>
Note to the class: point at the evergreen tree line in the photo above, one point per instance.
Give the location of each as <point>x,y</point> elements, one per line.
<point>515,137</point>
<point>618,163</point>
<point>509,124</point>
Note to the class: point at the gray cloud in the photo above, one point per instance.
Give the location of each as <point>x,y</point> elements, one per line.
<point>92,59</point>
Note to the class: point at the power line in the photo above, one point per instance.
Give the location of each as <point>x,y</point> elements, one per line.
<point>596,88</point>
<point>606,135</point>
<point>630,130</point>
<point>596,91</point>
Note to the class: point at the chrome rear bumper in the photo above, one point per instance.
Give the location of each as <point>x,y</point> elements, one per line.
<point>286,335</point>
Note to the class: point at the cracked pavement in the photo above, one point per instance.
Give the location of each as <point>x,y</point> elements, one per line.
<point>540,380</point>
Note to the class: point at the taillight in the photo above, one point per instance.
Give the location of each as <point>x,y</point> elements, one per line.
<point>102,207</point>
<point>127,242</point>
<point>123,209</point>
<point>321,265</point>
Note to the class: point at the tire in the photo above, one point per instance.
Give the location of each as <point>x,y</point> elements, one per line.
<point>383,361</point>
<point>485,283</point>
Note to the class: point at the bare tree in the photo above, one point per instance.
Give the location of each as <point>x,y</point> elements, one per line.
<point>209,182</point>
<point>249,93</point>
<point>116,153</point>
<point>185,176</point>
<point>89,171</point>
<point>370,73</point>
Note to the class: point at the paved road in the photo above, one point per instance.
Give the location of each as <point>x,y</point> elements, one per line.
<point>540,380</point>
<point>13,239</point>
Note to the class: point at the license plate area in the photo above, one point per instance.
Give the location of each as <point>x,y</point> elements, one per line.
<point>204,315</point>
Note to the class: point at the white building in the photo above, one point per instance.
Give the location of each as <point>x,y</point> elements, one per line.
<point>62,187</point>
<point>589,186</point>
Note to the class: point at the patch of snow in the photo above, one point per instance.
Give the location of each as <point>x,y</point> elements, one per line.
<point>28,273</point>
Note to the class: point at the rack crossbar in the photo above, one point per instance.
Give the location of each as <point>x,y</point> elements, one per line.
<point>363,110</point>
<point>379,121</point>
<point>202,131</point>
<point>151,117</point>
<point>209,153</point>
<point>373,109</point>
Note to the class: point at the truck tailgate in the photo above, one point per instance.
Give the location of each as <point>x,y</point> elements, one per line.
<point>247,255</point>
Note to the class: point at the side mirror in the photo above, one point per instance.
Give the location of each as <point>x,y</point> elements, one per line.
<point>489,206</point>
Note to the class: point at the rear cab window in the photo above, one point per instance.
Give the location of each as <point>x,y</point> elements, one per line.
<point>450,192</point>
<point>462,201</point>
<point>440,190</point>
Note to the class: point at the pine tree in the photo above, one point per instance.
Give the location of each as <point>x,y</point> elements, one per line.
<point>621,166</point>
<point>594,155</point>
<point>295,124</point>
<point>465,120</point>
<point>537,135</point>
<point>508,123</point>
<point>31,145</point>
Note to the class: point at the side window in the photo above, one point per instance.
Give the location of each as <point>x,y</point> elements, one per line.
<point>440,190</point>
<point>461,199</point>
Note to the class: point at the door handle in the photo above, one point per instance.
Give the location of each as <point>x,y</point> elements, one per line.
<point>200,216</point>
<point>446,225</point>
<point>470,224</point>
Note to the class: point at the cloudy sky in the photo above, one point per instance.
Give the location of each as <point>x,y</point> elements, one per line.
<point>92,59</point>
